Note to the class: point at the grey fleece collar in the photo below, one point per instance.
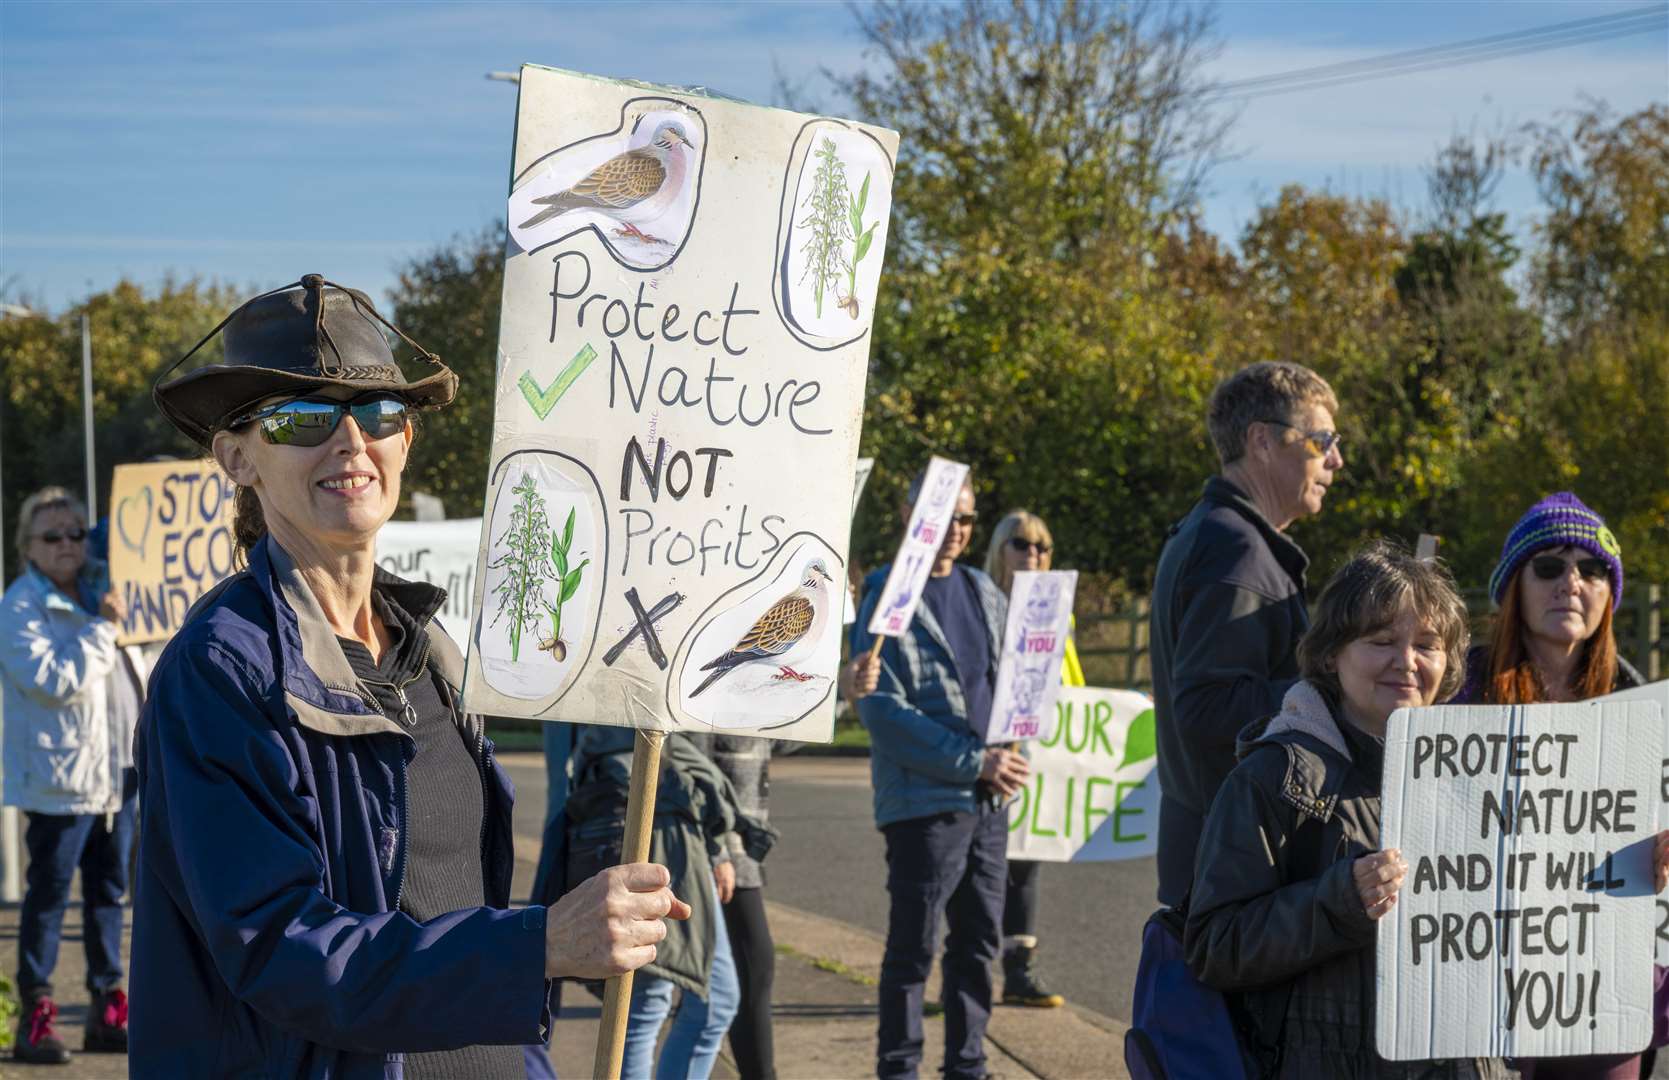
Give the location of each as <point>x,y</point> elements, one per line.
<point>1305,711</point>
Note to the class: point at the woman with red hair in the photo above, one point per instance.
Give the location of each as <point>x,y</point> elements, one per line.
<point>1556,588</point>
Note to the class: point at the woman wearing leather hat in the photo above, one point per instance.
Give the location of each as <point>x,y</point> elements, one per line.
<point>325,841</point>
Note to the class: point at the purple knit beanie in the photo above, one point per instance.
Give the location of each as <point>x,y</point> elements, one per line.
<point>1557,521</point>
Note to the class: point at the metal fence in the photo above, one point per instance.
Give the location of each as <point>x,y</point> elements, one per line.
<point>1114,648</point>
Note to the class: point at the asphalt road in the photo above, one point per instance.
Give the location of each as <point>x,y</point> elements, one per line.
<point>831,861</point>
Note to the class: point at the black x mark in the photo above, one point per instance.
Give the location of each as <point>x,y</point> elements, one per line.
<point>644,625</point>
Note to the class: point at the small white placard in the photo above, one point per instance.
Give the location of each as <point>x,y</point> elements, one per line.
<point>935,504</point>
<point>1034,644</point>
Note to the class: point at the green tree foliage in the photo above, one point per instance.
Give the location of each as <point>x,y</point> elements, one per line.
<point>448,302</point>
<point>1049,152</point>
<point>135,334</point>
<point>1601,279</point>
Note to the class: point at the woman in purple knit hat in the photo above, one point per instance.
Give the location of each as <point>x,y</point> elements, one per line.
<point>1556,589</point>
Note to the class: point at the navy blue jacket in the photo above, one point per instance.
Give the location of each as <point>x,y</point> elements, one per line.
<point>267,936</point>
<point>924,757</point>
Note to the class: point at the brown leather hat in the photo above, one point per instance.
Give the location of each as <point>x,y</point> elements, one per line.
<point>296,339</point>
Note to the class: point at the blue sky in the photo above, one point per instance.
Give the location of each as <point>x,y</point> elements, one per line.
<point>250,143</point>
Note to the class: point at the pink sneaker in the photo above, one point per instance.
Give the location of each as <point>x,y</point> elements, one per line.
<point>37,1043</point>
<point>107,1024</point>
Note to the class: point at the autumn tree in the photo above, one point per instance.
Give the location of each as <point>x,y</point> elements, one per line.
<point>135,334</point>
<point>1050,152</point>
<point>448,301</point>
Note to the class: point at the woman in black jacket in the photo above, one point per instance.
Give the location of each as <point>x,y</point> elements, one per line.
<point>1289,880</point>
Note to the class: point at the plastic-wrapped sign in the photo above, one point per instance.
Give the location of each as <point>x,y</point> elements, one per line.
<point>1034,645</point>
<point>685,333</point>
<point>929,518</point>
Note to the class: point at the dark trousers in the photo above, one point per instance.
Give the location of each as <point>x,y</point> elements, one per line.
<point>1020,908</point>
<point>756,964</point>
<point>955,863</point>
<point>58,844</point>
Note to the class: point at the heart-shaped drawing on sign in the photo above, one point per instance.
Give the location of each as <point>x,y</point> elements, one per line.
<point>132,504</point>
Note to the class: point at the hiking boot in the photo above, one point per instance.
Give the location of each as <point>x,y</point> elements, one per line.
<point>1021,983</point>
<point>107,1024</point>
<point>37,1043</point>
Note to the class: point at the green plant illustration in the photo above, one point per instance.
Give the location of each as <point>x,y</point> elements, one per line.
<point>860,245</point>
<point>830,223</point>
<point>521,595</point>
<point>569,583</point>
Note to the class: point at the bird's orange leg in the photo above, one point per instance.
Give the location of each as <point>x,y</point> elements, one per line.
<point>790,673</point>
<point>627,229</point>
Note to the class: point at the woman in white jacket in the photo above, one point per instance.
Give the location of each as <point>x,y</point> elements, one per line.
<point>64,766</point>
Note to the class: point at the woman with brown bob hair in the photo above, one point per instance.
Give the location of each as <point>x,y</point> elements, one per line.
<point>1289,881</point>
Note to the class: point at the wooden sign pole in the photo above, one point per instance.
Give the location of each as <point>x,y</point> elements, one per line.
<point>640,820</point>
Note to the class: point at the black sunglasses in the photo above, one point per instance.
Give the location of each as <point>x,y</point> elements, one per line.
<point>1551,568</point>
<point>964,519</point>
<point>309,422</point>
<point>1026,545</point>
<point>53,536</point>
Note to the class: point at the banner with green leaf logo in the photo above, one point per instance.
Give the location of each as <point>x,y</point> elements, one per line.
<point>1094,794</point>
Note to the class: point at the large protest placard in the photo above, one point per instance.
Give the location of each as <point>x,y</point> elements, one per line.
<point>684,340</point>
<point>170,542</point>
<point>442,553</point>
<point>1093,794</point>
<point>929,518</point>
<point>1034,645</point>
<point>1656,692</point>
<point>1524,926</point>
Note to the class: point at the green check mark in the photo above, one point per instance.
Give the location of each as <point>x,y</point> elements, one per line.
<point>543,401</point>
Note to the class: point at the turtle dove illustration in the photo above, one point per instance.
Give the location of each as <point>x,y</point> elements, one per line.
<point>785,635</point>
<point>634,187</point>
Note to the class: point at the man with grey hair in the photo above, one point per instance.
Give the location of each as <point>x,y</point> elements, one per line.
<point>1228,597</point>
<point>940,801</point>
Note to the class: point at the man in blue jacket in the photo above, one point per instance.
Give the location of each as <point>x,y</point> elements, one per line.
<point>939,801</point>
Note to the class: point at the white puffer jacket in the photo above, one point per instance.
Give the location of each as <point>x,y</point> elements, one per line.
<point>61,753</point>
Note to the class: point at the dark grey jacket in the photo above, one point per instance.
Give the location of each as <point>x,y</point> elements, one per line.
<point>1228,610</point>
<point>746,763</point>
<point>1275,918</point>
<point>695,807</point>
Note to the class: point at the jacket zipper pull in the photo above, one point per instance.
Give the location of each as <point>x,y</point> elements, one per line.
<point>408,715</point>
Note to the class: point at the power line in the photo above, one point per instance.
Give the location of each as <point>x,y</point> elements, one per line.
<point>1428,58</point>
<point>1427,51</point>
